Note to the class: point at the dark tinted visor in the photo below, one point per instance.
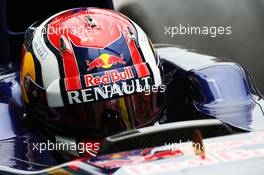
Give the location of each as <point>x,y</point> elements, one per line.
<point>105,118</point>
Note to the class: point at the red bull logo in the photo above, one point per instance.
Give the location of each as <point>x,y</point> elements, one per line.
<point>108,77</point>
<point>105,61</point>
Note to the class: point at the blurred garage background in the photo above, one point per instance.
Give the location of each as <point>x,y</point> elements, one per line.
<point>246,17</point>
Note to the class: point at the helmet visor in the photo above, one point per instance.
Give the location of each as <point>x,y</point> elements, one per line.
<point>104,118</point>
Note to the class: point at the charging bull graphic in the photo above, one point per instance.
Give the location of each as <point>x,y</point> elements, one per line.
<point>105,61</point>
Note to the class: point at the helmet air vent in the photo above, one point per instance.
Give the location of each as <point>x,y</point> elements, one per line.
<point>131,33</point>
<point>91,21</point>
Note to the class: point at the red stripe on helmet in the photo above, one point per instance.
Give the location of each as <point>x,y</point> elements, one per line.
<point>136,57</point>
<point>72,79</point>
<point>142,70</point>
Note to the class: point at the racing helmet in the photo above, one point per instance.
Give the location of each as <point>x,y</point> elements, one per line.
<point>90,72</point>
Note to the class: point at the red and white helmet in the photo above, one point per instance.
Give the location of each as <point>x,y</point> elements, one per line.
<point>85,72</point>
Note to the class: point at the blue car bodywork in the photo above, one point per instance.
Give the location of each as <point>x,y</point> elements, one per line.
<point>199,87</point>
